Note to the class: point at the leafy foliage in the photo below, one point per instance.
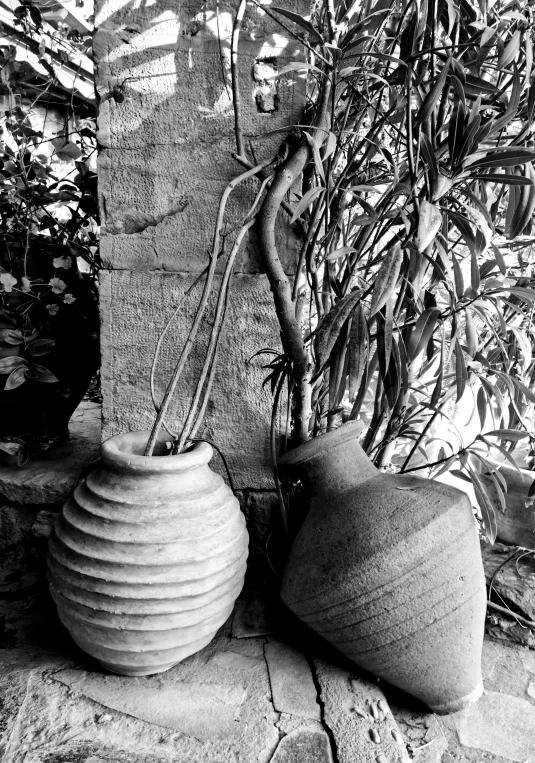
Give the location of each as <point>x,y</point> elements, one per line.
<point>416,212</point>
<point>48,200</point>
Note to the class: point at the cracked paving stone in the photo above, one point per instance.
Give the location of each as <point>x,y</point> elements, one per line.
<point>500,724</point>
<point>356,711</point>
<point>303,746</point>
<point>292,684</point>
<point>200,710</point>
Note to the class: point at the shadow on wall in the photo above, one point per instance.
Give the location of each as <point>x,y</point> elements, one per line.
<point>166,131</point>
<point>163,77</point>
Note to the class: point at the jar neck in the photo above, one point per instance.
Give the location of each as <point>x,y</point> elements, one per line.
<point>333,462</point>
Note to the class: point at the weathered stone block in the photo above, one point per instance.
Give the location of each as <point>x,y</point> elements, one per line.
<point>134,309</point>
<point>304,745</point>
<point>499,724</point>
<point>169,140</point>
<point>356,711</point>
<point>292,685</point>
<point>51,480</point>
<point>203,711</point>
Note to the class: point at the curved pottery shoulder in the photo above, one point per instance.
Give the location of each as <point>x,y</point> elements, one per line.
<point>148,557</point>
<point>388,569</point>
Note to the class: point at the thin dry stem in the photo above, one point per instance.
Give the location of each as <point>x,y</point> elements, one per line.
<point>201,309</point>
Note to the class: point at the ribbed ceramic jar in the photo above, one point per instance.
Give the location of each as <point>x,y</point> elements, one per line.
<point>388,569</point>
<point>148,557</point>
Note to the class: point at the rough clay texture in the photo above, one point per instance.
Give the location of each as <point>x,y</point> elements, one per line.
<point>497,729</point>
<point>165,158</point>
<point>143,586</point>
<point>51,480</point>
<point>387,568</point>
<point>216,706</point>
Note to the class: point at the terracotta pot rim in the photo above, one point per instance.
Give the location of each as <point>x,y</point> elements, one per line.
<point>318,445</point>
<point>124,452</point>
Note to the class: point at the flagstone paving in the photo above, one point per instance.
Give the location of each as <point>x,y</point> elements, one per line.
<point>278,698</point>
<point>266,690</point>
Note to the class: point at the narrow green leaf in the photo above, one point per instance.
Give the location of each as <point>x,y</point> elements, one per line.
<point>513,435</point>
<point>485,504</point>
<point>458,276</point>
<point>329,329</point>
<point>499,259</point>
<point>342,252</point>
<point>300,21</point>
<point>470,333</point>
<point>505,157</point>
<point>503,179</point>
<point>461,374</point>
<point>510,52</point>
<point>358,349</point>
<point>295,66</point>
<point>474,271</point>
<point>386,279</point>
<point>429,224</point>
<point>422,332</point>
<point>306,201</point>
<point>318,163</point>
<point>431,99</point>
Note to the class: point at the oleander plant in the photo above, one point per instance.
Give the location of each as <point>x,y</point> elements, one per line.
<point>411,183</point>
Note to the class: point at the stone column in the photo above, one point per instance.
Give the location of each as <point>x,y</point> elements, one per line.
<point>166,141</point>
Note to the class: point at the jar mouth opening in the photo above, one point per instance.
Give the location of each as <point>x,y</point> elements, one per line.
<point>125,452</point>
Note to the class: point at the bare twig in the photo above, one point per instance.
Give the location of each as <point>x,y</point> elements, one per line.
<point>208,365</point>
<point>201,309</point>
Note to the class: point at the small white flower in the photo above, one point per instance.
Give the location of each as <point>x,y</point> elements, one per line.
<point>62,262</point>
<point>69,299</point>
<point>58,286</point>
<point>52,309</point>
<point>8,281</point>
<point>26,285</point>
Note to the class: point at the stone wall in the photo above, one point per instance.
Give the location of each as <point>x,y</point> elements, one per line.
<point>166,137</point>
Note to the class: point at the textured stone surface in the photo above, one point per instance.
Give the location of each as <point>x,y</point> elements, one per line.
<point>168,144</point>
<point>15,524</point>
<point>466,737</point>
<point>135,308</point>
<point>500,724</point>
<point>203,711</point>
<point>356,711</point>
<point>165,158</point>
<point>303,746</point>
<point>57,720</point>
<point>44,522</point>
<point>292,685</point>
<point>50,480</point>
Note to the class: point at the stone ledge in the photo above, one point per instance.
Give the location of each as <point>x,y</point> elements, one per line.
<point>51,480</point>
